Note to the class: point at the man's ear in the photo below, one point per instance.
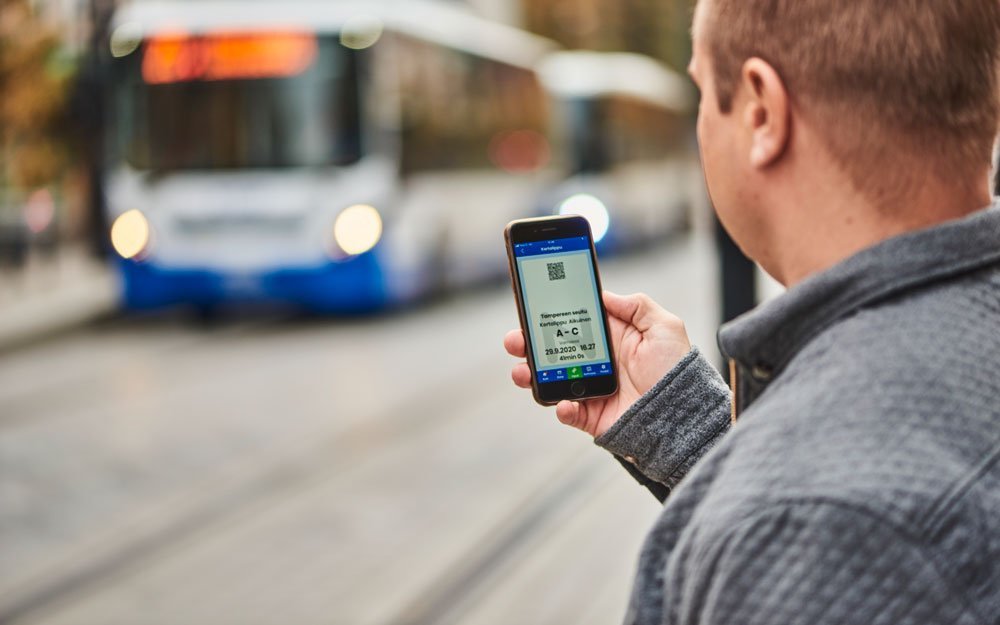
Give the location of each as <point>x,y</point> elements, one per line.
<point>765,112</point>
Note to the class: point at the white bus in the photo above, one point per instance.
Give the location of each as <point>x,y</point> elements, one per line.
<point>342,156</point>
<point>629,122</point>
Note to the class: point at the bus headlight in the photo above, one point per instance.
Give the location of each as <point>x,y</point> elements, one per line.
<point>590,208</point>
<point>130,233</point>
<point>357,229</point>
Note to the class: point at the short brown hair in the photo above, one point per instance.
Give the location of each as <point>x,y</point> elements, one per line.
<point>884,75</point>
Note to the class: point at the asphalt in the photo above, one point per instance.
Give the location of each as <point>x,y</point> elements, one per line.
<point>274,469</point>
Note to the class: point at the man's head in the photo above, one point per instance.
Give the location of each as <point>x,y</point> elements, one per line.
<point>885,92</point>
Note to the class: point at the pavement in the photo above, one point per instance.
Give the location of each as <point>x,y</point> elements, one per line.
<point>275,470</point>
<point>53,295</point>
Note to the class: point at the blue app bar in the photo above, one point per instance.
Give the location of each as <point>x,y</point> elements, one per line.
<point>561,375</point>
<point>555,246</point>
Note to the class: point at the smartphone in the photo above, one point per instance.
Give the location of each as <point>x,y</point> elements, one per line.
<point>553,269</point>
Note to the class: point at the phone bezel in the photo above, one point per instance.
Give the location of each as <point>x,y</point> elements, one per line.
<point>543,229</point>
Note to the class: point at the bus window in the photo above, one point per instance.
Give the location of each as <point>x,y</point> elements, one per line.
<point>297,108</point>
<point>639,131</point>
<point>457,106</point>
<point>589,139</point>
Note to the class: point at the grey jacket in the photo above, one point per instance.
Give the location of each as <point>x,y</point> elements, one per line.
<point>861,481</point>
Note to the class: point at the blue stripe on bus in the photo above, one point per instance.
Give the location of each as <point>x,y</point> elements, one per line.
<point>353,285</point>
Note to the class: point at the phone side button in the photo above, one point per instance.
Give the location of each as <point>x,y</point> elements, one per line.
<point>578,389</point>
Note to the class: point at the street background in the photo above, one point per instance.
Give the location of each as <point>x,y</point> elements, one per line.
<point>263,471</point>
<point>278,465</point>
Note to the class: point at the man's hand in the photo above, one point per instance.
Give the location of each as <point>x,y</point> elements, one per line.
<point>648,341</point>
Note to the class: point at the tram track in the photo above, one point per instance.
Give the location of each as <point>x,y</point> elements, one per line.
<point>447,598</point>
<point>19,405</point>
<point>152,532</point>
<point>173,527</point>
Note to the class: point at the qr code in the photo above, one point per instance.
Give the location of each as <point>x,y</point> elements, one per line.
<point>556,271</point>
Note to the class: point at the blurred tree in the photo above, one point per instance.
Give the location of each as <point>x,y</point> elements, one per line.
<point>34,78</point>
<point>658,28</point>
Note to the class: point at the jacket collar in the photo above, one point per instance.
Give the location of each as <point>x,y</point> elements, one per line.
<point>765,339</point>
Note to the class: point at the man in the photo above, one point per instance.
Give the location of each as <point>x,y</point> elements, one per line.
<point>846,146</point>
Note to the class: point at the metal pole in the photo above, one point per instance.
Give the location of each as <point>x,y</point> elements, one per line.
<point>738,279</point>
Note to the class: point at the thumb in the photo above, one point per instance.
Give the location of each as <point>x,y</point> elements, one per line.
<point>638,310</point>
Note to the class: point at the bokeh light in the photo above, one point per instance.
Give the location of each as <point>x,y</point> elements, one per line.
<point>125,39</point>
<point>39,211</point>
<point>361,31</point>
<point>130,234</point>
<point>520,151</point>
<point>357,229</point>
<point>590,208</point>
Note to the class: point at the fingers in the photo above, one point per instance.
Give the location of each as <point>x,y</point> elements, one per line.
<point>521,375</point>
<point>638,310</point>
<point>513,342</point>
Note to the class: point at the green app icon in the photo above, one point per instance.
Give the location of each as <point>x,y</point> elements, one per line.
<point>574,373</point>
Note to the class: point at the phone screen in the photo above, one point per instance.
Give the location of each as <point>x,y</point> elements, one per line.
<point>563,310</point>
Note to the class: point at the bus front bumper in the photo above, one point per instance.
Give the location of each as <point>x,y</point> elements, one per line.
<point>354,285</point>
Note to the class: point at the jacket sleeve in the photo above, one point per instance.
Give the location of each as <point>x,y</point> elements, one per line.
<point>661,436</point>
<point>819,563</point>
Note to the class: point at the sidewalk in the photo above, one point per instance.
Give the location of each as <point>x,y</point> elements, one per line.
<point>52,295</point>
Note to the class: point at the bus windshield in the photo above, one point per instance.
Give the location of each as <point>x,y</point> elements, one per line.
<point>233,101</point>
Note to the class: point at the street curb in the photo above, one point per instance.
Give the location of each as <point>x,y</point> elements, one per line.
<point>37,316</point>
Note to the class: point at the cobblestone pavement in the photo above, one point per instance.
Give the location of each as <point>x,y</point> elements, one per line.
<point>315,471</point>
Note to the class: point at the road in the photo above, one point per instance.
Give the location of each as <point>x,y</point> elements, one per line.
<point>272,470</point>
